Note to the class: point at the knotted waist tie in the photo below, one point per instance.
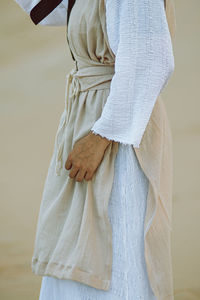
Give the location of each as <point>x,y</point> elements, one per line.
<point>89,77</point>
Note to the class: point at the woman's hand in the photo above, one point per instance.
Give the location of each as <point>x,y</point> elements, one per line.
<point>86,156</point>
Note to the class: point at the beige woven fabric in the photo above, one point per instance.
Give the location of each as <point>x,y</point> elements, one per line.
<point>74,237</point>
<point>171,16</point>
<point>156,159</point>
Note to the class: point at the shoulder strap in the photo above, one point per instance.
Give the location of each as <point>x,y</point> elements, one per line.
<point>43,9</point>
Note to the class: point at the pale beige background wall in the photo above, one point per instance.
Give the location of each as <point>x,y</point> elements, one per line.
<point>33,64</point>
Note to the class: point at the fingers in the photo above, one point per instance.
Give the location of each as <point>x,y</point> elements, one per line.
<point>68,164</point>
<point>80,175</point>
<point>88,176</point>
<point>79,171</point>
<point>73,172</point>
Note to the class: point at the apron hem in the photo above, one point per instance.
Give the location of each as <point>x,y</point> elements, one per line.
<point>61,271</point>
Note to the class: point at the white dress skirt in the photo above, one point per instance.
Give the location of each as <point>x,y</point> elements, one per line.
<point>126,209</point>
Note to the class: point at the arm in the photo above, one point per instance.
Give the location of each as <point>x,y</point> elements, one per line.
<point>57,17</point>
<point>144,62</point>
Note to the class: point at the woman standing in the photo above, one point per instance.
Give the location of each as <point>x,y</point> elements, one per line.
<point>107,197</point>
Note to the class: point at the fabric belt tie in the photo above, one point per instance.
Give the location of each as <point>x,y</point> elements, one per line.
<point>86,78</point>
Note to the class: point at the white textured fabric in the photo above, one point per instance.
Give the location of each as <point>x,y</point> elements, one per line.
<point>126,210</point>
<point>139,36</point>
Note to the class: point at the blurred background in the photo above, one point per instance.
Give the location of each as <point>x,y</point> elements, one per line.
<point>33,64</point>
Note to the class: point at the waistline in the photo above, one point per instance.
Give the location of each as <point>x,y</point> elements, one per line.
<point>90,77</point>
<point>93,77</point>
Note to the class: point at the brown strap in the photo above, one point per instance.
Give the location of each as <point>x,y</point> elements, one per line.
<point>43,9</point>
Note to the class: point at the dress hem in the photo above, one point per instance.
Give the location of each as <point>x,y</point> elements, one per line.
<point>61,271</point>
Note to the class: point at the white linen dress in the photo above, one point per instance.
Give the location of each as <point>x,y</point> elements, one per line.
<point>126,208</point>
<point>127,203</point>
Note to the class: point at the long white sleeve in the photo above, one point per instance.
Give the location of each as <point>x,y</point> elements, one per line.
<point>58,17</point>
<point>139,36</point>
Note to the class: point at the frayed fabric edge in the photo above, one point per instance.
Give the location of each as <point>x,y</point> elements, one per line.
<point>115,139</point>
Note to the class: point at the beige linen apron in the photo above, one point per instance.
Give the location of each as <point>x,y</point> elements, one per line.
<point>74,236</point>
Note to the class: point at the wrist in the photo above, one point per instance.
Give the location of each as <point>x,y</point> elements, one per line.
<point>101,138</point>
